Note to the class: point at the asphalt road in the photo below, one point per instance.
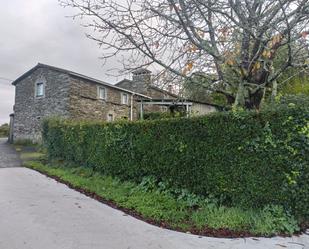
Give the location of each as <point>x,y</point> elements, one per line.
<point>37,212</point>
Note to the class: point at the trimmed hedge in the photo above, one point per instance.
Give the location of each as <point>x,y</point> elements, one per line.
<point>244,159</point>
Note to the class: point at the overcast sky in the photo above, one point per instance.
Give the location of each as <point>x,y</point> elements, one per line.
<point>35,31</point>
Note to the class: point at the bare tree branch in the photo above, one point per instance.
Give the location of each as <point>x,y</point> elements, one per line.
<point>237,41</point>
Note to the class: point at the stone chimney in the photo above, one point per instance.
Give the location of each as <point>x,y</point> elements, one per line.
<point>141,80</point>
<point>142,75</point>
<point>170,88</point>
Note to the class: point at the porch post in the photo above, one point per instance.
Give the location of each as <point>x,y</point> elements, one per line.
<point>142,111</point>
<point>187,110</point>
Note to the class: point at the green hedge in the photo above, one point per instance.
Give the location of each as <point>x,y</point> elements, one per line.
<point>244,159</point>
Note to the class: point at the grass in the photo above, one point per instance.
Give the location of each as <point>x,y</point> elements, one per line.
<point>25,142</point>
<point>174,209</point>
<point>151,205</point>
<point>29,155</point>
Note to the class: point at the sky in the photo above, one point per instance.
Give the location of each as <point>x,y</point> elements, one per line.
<point>34,31</point>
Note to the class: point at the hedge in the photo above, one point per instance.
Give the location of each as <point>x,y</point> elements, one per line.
<point>245,159</point>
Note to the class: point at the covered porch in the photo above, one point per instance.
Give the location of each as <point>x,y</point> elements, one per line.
<point>170,103</point>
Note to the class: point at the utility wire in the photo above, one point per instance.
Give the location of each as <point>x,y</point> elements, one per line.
<point>3,78</point>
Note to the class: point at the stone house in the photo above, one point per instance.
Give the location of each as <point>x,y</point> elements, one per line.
<point>46,91</point>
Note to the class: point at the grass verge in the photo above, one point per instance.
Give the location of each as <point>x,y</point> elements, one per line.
<point>173,209</point>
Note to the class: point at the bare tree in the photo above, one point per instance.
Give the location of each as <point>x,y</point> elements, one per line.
<point>237,39</point>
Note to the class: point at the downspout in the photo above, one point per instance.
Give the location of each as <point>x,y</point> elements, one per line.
<point>11,131</point>
<point>131,109</point>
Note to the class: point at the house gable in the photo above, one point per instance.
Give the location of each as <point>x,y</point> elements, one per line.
<point>39,93</point>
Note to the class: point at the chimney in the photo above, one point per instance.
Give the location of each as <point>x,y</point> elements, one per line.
<point>170,88</point>
<point>142,76</point>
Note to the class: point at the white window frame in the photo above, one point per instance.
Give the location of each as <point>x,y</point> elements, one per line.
<point>122,99</point>
<point>41,84</point>
<point>110,115</point>
<point>99,93</point>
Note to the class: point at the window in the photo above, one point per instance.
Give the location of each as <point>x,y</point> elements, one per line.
<point>110,117</point>
<point>124,99</point>
<point>102,92</point>
<point>39,89</point>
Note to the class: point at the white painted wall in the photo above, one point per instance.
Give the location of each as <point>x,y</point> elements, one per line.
<point>199,109</point>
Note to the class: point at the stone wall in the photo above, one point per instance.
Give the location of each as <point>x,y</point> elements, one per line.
<point>85,103</point>
<point>29,110</point>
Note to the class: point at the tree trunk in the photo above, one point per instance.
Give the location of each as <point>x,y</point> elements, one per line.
<point>240,95</point>
<point>255,99</point>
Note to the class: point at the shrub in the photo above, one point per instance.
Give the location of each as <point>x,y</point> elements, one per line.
<point>163,115</point>
<point>4,130</point>
<point>244,159</point>
<point>157,115</point>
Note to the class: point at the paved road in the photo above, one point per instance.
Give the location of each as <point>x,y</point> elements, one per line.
<point>8,156</point>
<point>36,212</point>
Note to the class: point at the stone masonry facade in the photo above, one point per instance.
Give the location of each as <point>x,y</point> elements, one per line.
<point>66,95</point>
<point>29,110</point>
<point>84,102</point>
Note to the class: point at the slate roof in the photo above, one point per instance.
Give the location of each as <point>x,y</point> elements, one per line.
<point>74,74</point>
<point>152,87</point>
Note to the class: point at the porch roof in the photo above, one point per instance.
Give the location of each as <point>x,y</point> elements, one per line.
<point>166,102</point>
